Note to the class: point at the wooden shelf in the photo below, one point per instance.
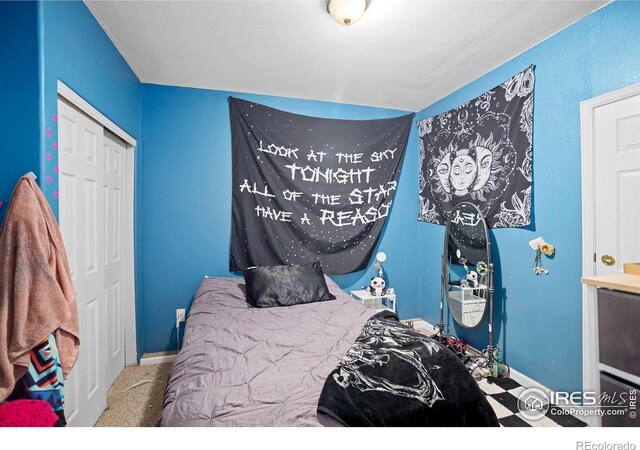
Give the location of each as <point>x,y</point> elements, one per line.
<point>624,282</point>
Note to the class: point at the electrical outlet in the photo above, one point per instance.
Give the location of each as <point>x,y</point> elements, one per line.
<point>181,315</point>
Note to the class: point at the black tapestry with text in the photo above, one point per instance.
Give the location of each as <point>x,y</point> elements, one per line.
<point>308,189</point>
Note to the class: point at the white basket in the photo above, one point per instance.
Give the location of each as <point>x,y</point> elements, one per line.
<point>373,303</point>
<point>466,306</point>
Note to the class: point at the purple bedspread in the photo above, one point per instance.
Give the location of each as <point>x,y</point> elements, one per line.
<point>242,366</point>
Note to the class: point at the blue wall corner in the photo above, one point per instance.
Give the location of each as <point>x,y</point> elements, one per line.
<point>538,319</point>
<point>74,48</point>
<point>18,96</point>
<point>77,51</point>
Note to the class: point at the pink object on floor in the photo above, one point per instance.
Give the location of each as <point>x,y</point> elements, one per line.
<point>27,413</point>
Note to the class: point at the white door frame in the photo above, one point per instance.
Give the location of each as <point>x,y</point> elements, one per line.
<point>590,357</point>
<point>128,293</point>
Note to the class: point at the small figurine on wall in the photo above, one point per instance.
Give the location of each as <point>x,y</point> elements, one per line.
<point>377,287</point>
<point>547,249</point>
<point>540,247</point>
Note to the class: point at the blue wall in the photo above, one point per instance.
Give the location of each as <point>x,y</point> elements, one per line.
<point>18,95</point>
<point>186,201</point>
<point>75,49</point>
<point>539,318</point>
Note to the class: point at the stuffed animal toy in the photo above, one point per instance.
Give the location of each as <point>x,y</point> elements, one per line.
<point>472,279</point>
<point>377,287</point>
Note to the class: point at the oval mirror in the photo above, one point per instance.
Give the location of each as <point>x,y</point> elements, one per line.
<point>467,256</point>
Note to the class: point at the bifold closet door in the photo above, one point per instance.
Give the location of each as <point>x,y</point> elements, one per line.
<point>113,195</point>
<point>81,216</point>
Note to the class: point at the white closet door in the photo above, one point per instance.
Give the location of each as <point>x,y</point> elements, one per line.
<point>80,154</point>
<point>113,191</point>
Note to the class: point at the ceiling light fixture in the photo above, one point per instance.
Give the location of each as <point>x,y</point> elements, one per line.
<point>346,12</point>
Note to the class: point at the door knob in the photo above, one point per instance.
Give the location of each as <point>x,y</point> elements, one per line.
<point>608,260</point>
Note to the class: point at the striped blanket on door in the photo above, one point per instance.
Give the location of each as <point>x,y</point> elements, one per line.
<point>43,380</point>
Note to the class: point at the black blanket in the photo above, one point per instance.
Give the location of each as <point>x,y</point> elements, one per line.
<point>395,376</point>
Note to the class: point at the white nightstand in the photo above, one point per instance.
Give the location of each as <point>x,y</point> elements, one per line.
<point>386,302</point>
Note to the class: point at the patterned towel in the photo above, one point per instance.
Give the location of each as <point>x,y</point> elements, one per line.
<point>43,380</point>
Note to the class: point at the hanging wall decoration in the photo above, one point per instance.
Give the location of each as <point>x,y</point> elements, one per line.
<point>481,152</point>
<point>308,189</point>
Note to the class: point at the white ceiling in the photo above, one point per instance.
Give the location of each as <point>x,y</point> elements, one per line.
<point>402,54</point>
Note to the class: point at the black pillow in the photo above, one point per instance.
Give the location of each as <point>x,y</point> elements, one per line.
<point>269,286</point>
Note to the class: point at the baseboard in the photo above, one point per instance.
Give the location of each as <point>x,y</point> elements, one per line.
<point>149,360</point>
<point>519,377</point>
<point>531,383</point>
<point>526,381</point>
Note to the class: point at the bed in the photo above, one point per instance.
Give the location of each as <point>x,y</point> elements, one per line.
<point>245,366</point>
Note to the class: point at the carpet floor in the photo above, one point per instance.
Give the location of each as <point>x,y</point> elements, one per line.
<point>135,399</point>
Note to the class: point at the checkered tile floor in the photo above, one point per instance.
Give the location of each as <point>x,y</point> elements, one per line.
<point>502,394</point>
